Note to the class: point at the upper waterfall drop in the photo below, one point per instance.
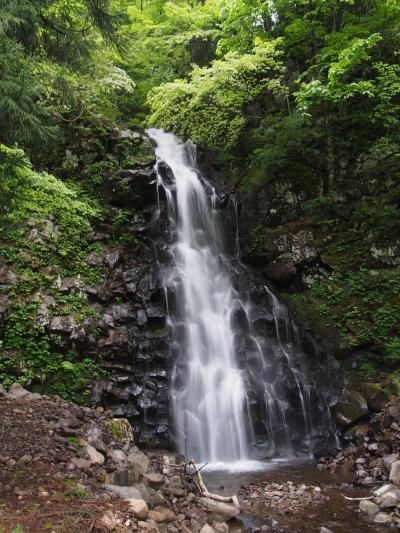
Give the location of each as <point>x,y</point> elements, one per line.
<point>244,377</point>
<point>208,390</point>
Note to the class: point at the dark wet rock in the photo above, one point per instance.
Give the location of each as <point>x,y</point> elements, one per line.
<point>117,341</point>
<point>281,270</point>
<point>106,322</point>
<point>132,187</point>
<point>357,431</point>
<point>375,395</point>
<point>166,173</point>
<point>111,257</point>
<point>351,407</point>
<point>287,252</point>
<point>122,313</point>
<point>100,294</point>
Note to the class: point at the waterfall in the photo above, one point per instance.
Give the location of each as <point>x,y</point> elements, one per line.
<point>208,389</point>
<point>239,374</point>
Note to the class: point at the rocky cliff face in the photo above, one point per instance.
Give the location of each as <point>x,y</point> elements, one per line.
<point>132,340</point>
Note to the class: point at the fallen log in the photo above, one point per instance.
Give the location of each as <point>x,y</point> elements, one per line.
<point>205,492</point>
<point>190,468</point>
<point>358,499</point>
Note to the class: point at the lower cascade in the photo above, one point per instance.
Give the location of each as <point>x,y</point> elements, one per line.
<point>244,378</point>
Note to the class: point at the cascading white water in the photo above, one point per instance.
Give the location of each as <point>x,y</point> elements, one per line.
<point>238,385</point>
<point>208,389</point>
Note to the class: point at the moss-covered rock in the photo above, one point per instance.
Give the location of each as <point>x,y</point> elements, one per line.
<point>351,407</point>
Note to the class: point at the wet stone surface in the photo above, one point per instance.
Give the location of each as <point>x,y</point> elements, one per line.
<point>294,498</point>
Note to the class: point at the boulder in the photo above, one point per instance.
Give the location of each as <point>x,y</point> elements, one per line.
<point>117,341</point>
<point>118,477</point>
<point>388,460</point>
<point>126,493</point>
<point>95,438</point>
<point>220,510</point>
<point>120,429</point>
<point>118,456</point>
<point>162,514</point>
<point>154,480</point>
<point>369,508</point>
<point>351,407</point>
<point>207,529</point>
<point>389,499</point>
<point>156,498</point>
<point>111,257</point>
<point>221,527</point>
<point>122,313</point>
<point>139,507</point>
<point>138,463</point>
<point>7,276</point>
<point>375,395</point>
<point>148,527</point>
<point>80,463</point>
<point>384,489</point>
<point>17,391</point>
<point>383,518</point>
<point>95,457</point>
<point>143,490</point>
<point>281,270</point>
<point>359,431</point>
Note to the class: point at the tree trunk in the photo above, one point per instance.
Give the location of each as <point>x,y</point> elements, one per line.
<point>329,176</point>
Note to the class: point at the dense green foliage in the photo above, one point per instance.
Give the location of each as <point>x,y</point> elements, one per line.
<point>305,93</point>
<point>213,106</point>
<point>44,234</point>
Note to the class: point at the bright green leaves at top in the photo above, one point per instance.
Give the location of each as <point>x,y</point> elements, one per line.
<point>165,40</point>
<point>340,84</point>
<point>214,106</point>
<point>242,22</point>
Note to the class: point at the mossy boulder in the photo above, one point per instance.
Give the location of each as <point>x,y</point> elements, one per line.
<point>375,394</point>
<point>120,429</point>
<point>351,407</point>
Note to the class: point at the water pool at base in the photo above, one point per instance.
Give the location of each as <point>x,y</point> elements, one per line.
<point>337,514</point>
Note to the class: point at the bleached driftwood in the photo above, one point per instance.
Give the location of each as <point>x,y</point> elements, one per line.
<point>190,468</point>
<point>358,499</point>
<point>205,492</point>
